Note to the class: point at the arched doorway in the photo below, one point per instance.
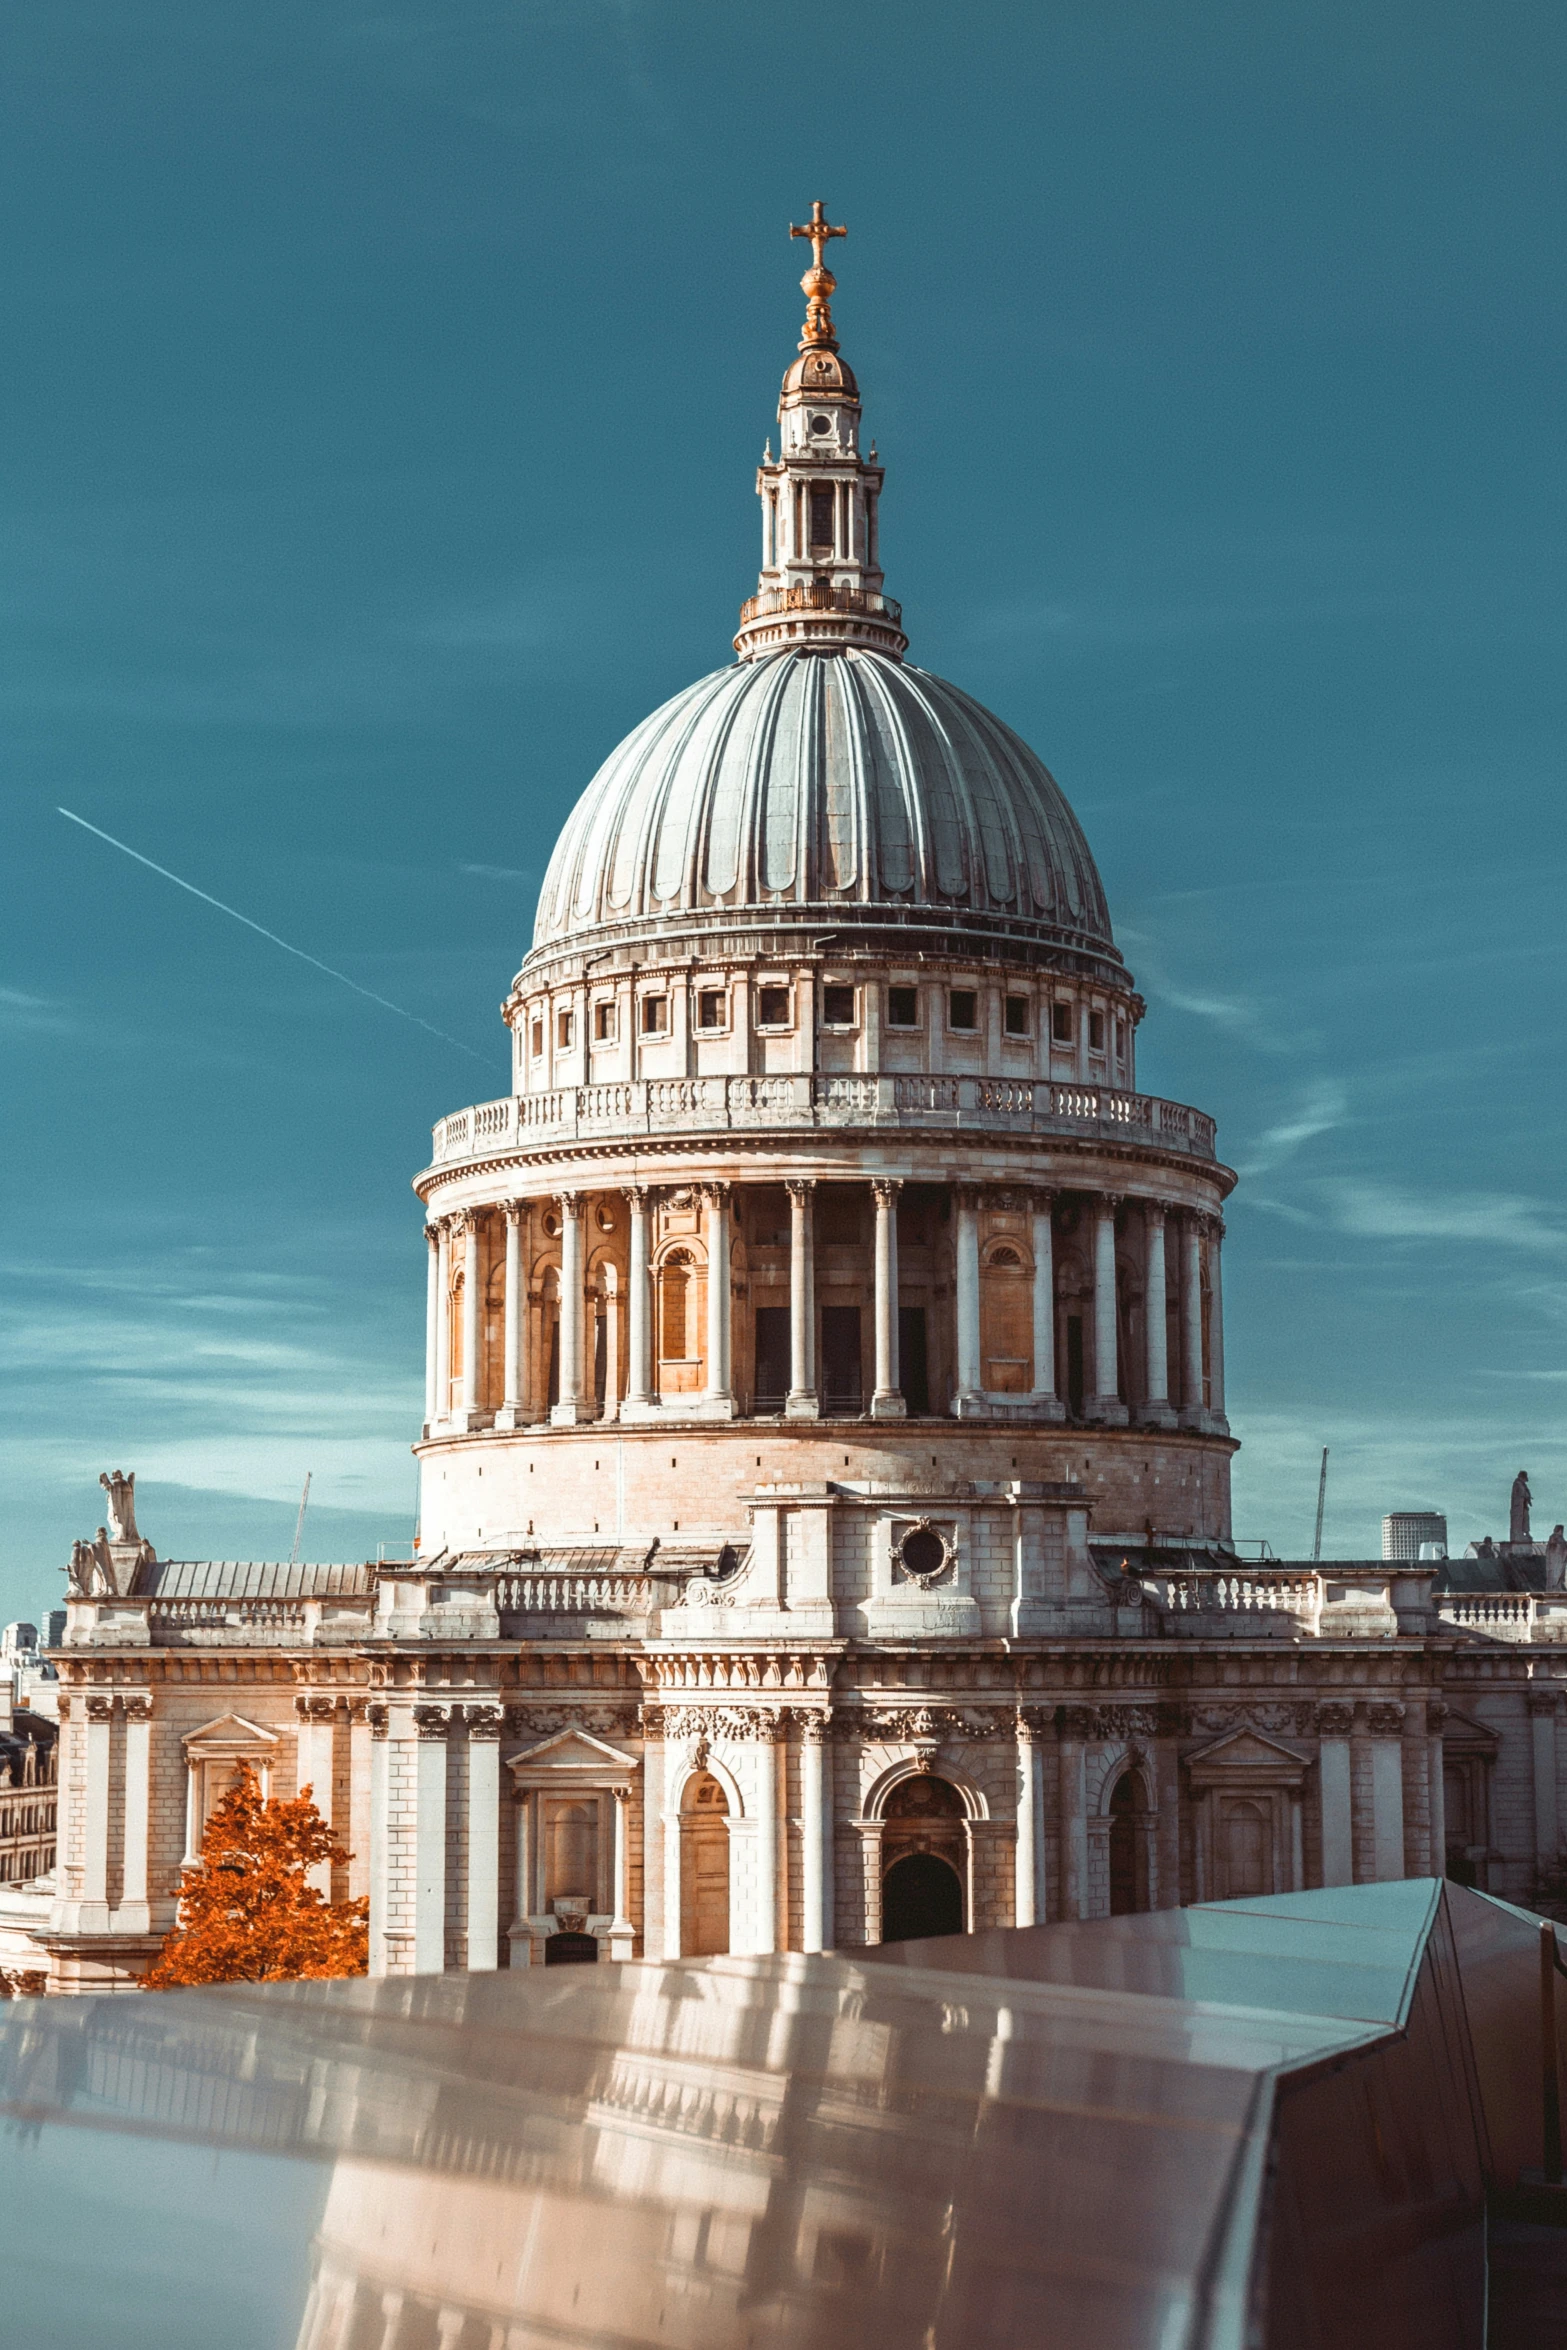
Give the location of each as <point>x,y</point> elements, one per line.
<point>704,1868</point>
<point>1246,1870</point>
<point>1128,1848</point>
<point>923,1851</point>
<point>920,1895</point>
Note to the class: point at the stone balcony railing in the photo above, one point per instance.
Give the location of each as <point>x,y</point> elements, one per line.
<point>1507,1615</point>
<point>820,595</point>
<point>701,1106</point>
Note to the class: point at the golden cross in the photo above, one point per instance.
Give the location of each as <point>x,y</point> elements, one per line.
<point>818,231</point>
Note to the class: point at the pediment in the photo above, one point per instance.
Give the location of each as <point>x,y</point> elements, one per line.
<point>230,1734</point>
<point>1462,1733</point>
<point>571,1754</point>
<point>1246,1753</point>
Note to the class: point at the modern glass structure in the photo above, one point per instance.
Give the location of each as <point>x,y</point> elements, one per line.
<point>1270,2122</point>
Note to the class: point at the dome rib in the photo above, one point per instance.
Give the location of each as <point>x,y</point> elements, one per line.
<point>806,779</point>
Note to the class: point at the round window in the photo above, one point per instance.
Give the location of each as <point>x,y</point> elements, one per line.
<point>821,424</point>
<point>923,1553</point>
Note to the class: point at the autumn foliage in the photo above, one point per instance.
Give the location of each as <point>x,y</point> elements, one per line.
<point>247,1911</point>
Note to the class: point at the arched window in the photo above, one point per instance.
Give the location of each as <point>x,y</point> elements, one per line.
<point>1006,1324</point>
<point>1128,1848</point>
<point>924,1851</point>
<point>704,1868</point>
<point>679,1323</point>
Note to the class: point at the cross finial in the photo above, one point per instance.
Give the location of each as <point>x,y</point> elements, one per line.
<point>818,282</point>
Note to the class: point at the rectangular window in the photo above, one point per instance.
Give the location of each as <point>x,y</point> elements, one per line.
<point>1060,1023</point>
<point>565,1030</point>
<point>1015,1020</point>
<point>1096,1032</point>
<point>823,499</point>
<point>772,1007</point>
<point>536,1040</point>
<point>1120,1038</point>
<point>837,1006</point>
<point>710,1008</point>
<point>903,1007</point>
<point>655,1015</point>
<point>604,1022</point>
<point>962,1008</point>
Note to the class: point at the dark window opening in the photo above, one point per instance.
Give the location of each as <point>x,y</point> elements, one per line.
<point>920,1897</point>
<point>842,1383</point>
<point>565,1028</point>
<point>600,1358</point>
<point>1074,1365</point>
<point>571,1950</point>
<point>655,1014</point>
<point>1096,1032</point>
<point>1126,1859</point>
<point>710,1008</point>
<point>772,1358</point>
<point>962,1008</point>
<point>837,1007</point>
<point>604,1023</point>
<point>913,1361</point>
<point>823,500</point>
<point>552,1389</point>
<point>1015,1016</point>
<point>903,1007</point>
<point>1061,1023</point>
<point>772,1007</point>
<point>537,1040</point>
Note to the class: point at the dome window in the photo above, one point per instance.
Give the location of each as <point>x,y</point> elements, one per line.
<point>821,425</point>
<point>772,1007</point>
<point>962,1008</point>
<point>712,1008</point>
<point>1015,1016</point>
<point>655,1015</point>
<point>823,500</point>
<point>1096,1032</point>
<point>565,1031</point>
<point>536,1040</point>
<point>604,1021</point>
<point>1060,1021</point>
<point>903,1007</point>
<point>837,1007</point>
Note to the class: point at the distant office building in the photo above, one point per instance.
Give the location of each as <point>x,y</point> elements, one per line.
<point>1405,1531</point>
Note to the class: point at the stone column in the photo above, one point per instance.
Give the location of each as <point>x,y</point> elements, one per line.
<point>1216,1326</point>
<point>718,1401</point>
<point>518,1938</point>
<point>815,1832</point>
<point>432,1323</point>
<point>639,1318</point>
<point>313,1769</point>
<point>93,1916</point>
<point>670,1810</point>
<point>483,1917</point>
<point>1076,1729</point>
<point>621,1931</point>
<point>1334,1723</point>
<point>887,1401</point>
<point>1155,1411</point>
<point>133,1916</point>
<point>1191,1327</point>
<point>1028,1897</point>
<point>969,1398</point>
<point>510,1414</point>
<point>572,1406</point>
<point>1044,1399</point>
<point>1415,1780</point>
<point>443,1326</point>
<point>1104,1406</point>
<point>1436,1715</point>
<point>1540,1705</point>
<point>378,1719</point>
<point>472,1319</point>
<point>765,1903</point>
<point>803,1402</point>
<point>1386,1723</point>
<point>432,1727</point>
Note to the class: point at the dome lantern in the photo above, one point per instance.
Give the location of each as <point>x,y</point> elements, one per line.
<point>821,579</point>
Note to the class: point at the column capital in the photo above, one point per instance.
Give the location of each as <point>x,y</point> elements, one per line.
<point>379,1717</point>
<point>432,1721</point>
<point>1107,1202</point>
<point>1335,1719</point>
<point>814,1725</point>
<point>432,1231</point>
<point>312,1707</point>
<point>970,1195</point>
<point>1539,1701</point>
<point>1043,1197</point>
<point>885,1189</point>
<point>99,1708</point>
<point>1437,1711</point>
<point>1034,1722</point>
<point>717,1191</point>
<point>1385,1719</point>
<point>483,1721</point>
<point>1209,1224</point>
<point>570,1203</point>
<point>1078,1724</point>
<point>800,1188</point>
<point>514,1210</point>
<point>1155,1210</point>
<point>137,1709</point>
<point>636,1195</point>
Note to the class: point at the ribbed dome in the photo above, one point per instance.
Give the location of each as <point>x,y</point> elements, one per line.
<point>823,780</point>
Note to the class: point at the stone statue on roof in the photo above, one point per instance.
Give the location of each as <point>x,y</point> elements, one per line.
<point>1518,1522</point>
<point>121,1490</point>
<point>1556,1559</point>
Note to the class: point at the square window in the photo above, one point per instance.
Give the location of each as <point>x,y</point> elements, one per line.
<point>710,1007</point>
<point>837,1007</point>
<point>604,1022</point>
<point>772,1007</point>
<point>565,1030</point>
<point>903,1007</point>
<point>536,1040</point>
<point>1015,1016</point>
<point>1096,1032</point>
<point>655,1015</point>
<point>1060,1023</point>
<point>962,1008</point>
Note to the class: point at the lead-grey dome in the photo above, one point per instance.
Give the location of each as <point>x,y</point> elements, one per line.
<point>830,781</point>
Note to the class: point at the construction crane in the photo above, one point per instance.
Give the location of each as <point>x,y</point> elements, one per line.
<point>1321,1502</point>
<point>299,1522</point>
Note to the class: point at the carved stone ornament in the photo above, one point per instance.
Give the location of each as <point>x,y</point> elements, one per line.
<point>483,1721</point>
<point>1079,1724</point>
<point>137,1709</point>
<point>1282,1720</point>
<point>1436,1714</point>
<point>600,1721</point>
<point>1335,1720</point>
<point>379,1718</point>
<point>925,1555</point>
<point>316,1708</point>
<point>1386,1720</point>
<point>100,1709</point>
<point>720,1721</point>
<point>432,1721</point>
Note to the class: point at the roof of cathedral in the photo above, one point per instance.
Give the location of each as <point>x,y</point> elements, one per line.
<point>253,1579</point>
<point>833,781</point>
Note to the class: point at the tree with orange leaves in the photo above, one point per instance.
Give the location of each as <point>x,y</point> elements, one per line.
<point>248,1913</point>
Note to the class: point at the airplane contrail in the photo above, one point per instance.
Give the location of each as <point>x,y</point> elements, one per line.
<point>315,961</point>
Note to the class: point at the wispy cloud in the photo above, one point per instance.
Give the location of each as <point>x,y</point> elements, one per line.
<point>1382,1211</point>
<point>23,1015</point>
<point>499,873</point>
<point>1323,1107</point>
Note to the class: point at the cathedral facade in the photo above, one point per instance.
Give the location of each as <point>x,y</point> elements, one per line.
<point>825,1528</point>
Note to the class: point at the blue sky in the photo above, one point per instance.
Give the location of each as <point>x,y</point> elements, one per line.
<point>381,397</point>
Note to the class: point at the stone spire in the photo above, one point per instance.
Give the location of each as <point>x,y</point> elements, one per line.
<point>821,580</point>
